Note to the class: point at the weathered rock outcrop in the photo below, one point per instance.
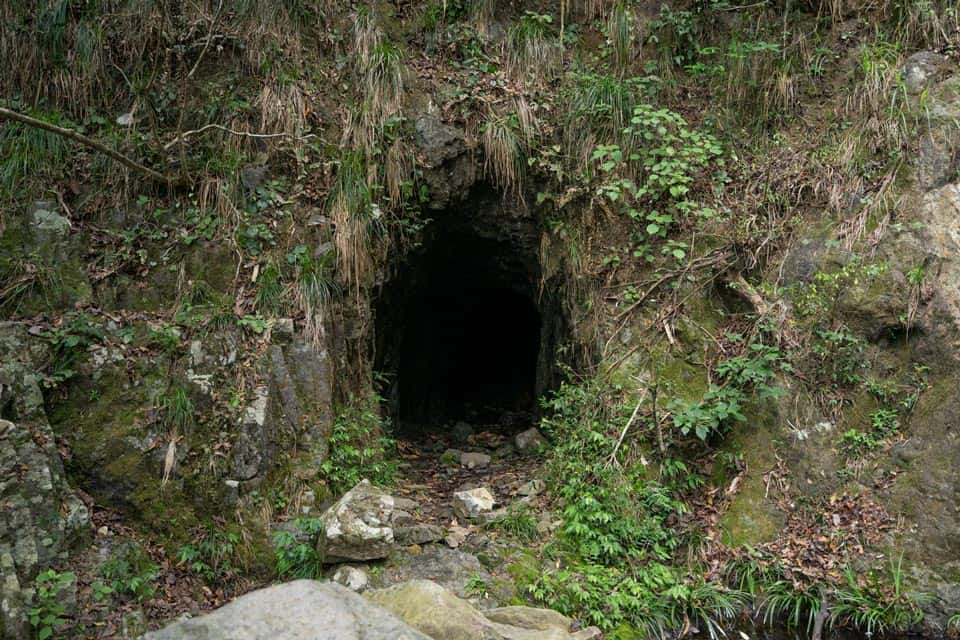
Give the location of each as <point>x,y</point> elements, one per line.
<point>293,404</point>
<point>911,314</point>
<point>42,518</point>
<point>450,169</point>
<point>299,610</point>
<point>359,526</point>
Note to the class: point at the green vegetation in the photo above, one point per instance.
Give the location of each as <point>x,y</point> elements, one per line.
<point>212,555</point>
<point>876,605</point>
<point>48,613</point>
<point>519,522</point>
<point>360,448</point>
<point>128,573</point>
<point>678,157</point>
<point>296,553</point>
<point>616,545</point>
<point>725,401</point>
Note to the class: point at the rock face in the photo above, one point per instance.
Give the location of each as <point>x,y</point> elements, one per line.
<point>293,404</point>
<point>450,170</point>
<point>358,526</point>
<point>431,609</point>
<point>470,504</point>
<point>299,610</point>
<point>924,322</point>
<point>42,517</point>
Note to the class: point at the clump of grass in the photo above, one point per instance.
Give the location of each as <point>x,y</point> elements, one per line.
<point>877,607</point>
<point>398,168</point>
<point>23,279</point>
<point>379,69</point>
<point>599,107</point>
<point>270,290</point>
<point>518,522</point>
<point>316,286</point>
<point>283,109</point>
<point>620,35</point>
<point>709,605</point>
<point>177,410</point>
<point>358,219</point>
<point>531,48</point>
<point>503,151</point>
<point>758,83</point>
<point>925,23</point>
<point>28,154</point>
<point>785,601</point>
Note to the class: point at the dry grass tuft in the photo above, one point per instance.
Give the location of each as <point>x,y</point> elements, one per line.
<point>505,140</point>
<point>531,49</point>
<point>356,216</point>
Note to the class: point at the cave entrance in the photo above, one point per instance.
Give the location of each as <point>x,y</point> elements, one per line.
<point>465,331</point>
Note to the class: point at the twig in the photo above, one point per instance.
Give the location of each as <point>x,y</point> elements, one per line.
<point>213,25</point>
<point>89,142</point>
<point>245,134</point>
<point>623,434</point>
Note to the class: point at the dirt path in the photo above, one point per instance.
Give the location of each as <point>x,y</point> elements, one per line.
<point>431,473</point>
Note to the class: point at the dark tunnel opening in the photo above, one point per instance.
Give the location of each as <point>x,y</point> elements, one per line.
<point>464,329</point>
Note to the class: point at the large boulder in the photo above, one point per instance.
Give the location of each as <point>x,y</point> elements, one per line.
<point>450,568</point>
<point>42,517</point>
<point>431,609</point>
<point>358,526</point>
<point>299,610</point>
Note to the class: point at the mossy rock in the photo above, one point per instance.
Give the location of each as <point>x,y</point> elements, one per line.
<point>752,518</point>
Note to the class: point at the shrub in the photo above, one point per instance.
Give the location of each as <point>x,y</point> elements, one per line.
<point>212,555</point>
<point>130,573</point>
<point>296,555</point>
<point>360,447</point>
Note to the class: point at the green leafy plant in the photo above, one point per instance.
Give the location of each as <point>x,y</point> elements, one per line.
<point>841,354</point>
<point>129,572</point>
<point>360,447</point>
<point>213,555</point>
<point>476,587</point>
<point>724,401</point>
<point>650,174</point>
<point>296,554</point>
<point>69,343</point>
<point>49,614</point>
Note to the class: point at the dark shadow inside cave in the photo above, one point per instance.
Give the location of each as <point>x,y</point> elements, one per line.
<point>465,330</point>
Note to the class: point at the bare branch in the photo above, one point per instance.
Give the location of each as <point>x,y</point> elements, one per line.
<point>245,134</point>
<point>89,142</point>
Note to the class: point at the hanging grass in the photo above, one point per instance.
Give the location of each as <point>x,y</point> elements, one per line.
<point>357,217</point>
<point>503,151</point>
<point>532,48</point>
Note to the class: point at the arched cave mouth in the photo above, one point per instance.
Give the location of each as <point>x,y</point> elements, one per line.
<point>466,329</point>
